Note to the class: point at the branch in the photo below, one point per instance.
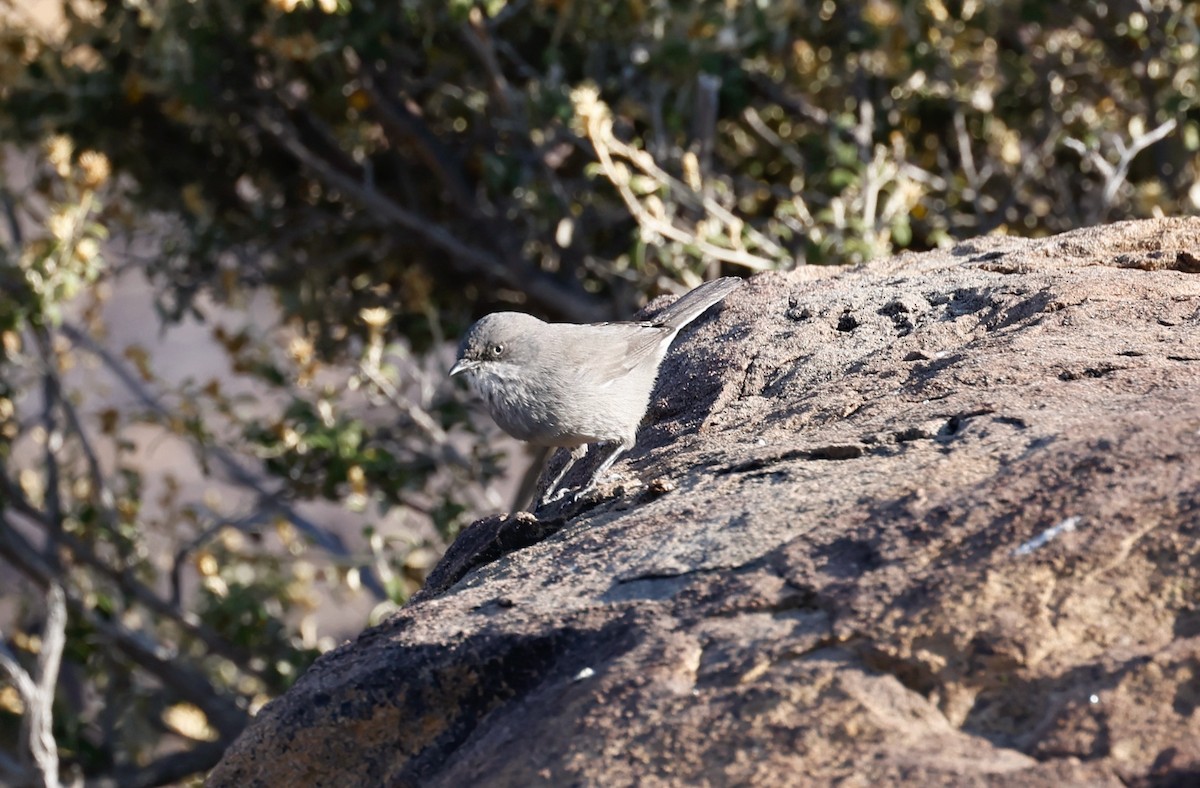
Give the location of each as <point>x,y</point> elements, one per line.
<point>95,474</point>
<point>10,213</point>
<point>83,552</point>
<point>470,260</point>
<point>1029,162</point>
<point>37,691</point>
<point>645,162</point>
<point>41,716</point>
<point>399,122</point>
<point>767,134</point>
<point>796,105</point>
<point>967,159</point>
<point>704,122</point>
<point>478,37</point>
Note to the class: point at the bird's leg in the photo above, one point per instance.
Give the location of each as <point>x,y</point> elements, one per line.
<point>576,454</point>
<point>618,449</point>
<point>526,494</point>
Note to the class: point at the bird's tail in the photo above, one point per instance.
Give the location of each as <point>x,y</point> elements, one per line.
<point>690,306</point>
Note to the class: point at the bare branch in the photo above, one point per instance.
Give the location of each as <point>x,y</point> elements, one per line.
<point>1116,174</point>
<point>26,689</point>
<point>188,622</point>
<point>37,691</point>
<point>423,421</point>
<point>540,286</point>
<point>645,162</point>
<point>599,129</point>
<point>41,716</point>
<point>796,104</point>
<point>10,213</point>
<point>1031,158</point>
<point>95,473</point>
<point>478,37</point>
<point>967,159</point>
<point>704,122</point>
<point>83,552</point>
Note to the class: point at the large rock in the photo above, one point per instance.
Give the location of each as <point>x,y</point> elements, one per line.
<point>933,519</point>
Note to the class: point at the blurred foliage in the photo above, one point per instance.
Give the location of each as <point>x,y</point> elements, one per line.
<point>384,171</point>
<point>416,155</point>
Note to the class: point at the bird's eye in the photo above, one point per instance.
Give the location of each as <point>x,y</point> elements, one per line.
<point>497,349</point>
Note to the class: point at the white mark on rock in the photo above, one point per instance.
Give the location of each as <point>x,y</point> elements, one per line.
<point>586,673</point>
<point>1045,537</point>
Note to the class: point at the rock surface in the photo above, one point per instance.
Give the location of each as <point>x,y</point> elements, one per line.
<point>931,520</point>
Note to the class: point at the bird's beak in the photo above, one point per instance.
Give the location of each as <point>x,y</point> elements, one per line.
<point>462,365</point>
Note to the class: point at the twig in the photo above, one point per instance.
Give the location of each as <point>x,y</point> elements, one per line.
<point>10,213</point>
<point>599,129</point>
<point>863,131</point>
<point>768,135</point>
<point>95,473</point>
<point>1115,174</point>
<point>967,159</point>
<point>1029,162</point>
<point>797,105</point>
<point>878,173</point>
<point>54,639</point>
<point>478,37</point>
<point>417,415</point>
<point>645,162</point>
<point>704,122</point>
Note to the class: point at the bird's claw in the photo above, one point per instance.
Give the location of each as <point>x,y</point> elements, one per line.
<point>555,497</point>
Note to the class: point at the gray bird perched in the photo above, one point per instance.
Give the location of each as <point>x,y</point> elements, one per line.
<point>562,384</point>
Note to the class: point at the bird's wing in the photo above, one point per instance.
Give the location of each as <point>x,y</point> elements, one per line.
<point>645,339</point>
<point>620,348</point>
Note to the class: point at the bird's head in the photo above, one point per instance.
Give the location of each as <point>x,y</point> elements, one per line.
<point>496,344</point>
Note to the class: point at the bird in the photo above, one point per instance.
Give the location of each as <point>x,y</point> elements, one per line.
<point>575,385</point>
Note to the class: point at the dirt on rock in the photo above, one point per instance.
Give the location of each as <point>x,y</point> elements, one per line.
<point>931,520</point>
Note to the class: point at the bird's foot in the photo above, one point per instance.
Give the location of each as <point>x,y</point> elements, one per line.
<point>618,481</point>
<point>554,496</point>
